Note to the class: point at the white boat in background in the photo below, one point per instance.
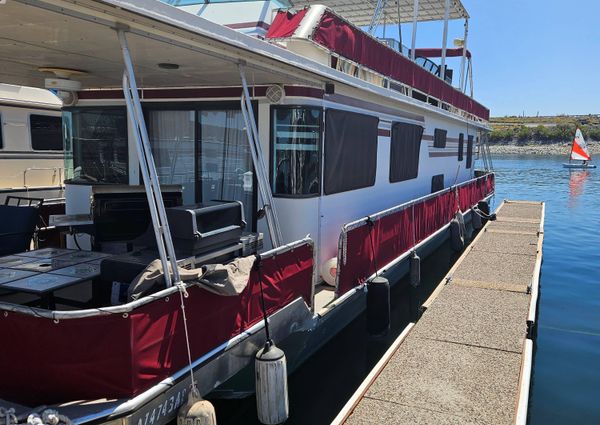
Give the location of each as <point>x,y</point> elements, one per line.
<point>579,152</point>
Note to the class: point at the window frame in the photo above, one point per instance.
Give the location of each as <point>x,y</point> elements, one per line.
<point>326,111</point>
<point>320,146</point>
<point>443,134</point>
<point>30,122</point>
<point>394,124</point>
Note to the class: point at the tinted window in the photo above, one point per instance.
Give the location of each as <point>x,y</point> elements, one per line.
<point>96,145</point>
<point>46,133</point>
<point>469,152</point>
<point>439,138</point>
<point>461,146</point>
<point>296,142</point>
<point>437,183</point>
<point>404,151</point>
<point>350,151</point>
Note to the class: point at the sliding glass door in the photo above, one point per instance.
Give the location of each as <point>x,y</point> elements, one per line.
<point>224,162</point>
<point>205,150</point>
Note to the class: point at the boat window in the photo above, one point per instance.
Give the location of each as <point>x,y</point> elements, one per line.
<point>350,151</point>
<point>404,151</point>
<point>461,146</point>
<point>172,137</point>
<point>437,183</point>
<point>469,152</point>
<point>439,138</point>
<point>46,133</point>
<point>296,136</point>
<point>96,145</point>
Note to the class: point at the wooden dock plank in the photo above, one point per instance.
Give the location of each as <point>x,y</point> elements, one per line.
<point>468,359</point>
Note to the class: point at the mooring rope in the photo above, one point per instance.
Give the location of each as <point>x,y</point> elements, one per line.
<point>182,295</point>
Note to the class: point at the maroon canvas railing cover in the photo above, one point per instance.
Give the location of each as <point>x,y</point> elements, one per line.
<point>394,234</point>
<point>117,356</point>
<point>348,41</point>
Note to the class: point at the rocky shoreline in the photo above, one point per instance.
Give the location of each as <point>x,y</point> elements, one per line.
<point>532,148</point>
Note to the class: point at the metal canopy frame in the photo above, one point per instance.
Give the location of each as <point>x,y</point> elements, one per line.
<point>360,12</point>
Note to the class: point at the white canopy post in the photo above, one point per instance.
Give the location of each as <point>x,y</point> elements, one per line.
<point>413,42</point>
<point>445,40</point>
<point>158,214</point>
<point>259,165</point>
<point>463,87</point>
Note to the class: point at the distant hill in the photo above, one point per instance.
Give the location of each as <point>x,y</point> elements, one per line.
<point>544,129</point>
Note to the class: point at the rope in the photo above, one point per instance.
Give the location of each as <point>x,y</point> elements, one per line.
<point>182,295</point>
<point>48,417</point>
<point>7,416</point>
<point>371,224</point>
<point>269,342</point>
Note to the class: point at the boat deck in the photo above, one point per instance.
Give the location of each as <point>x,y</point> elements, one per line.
<point>468,359</point>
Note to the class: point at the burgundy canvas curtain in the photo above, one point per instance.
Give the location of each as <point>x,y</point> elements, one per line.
<point>391,236</point>
<point>116,356</point>
<point>285,23</point>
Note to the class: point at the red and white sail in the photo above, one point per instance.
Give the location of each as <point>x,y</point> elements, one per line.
<point>579,150</point>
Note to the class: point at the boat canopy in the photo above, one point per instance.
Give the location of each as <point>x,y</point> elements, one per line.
<point>170,47</point>
<point>360,12</point>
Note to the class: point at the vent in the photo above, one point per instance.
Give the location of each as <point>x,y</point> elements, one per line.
<point>275,94</point>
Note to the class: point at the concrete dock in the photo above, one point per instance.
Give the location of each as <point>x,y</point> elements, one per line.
<point>468,359</point>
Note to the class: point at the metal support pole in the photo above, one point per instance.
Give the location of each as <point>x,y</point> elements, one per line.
<point>445,40</point>
<point>464,58</point>
<point>399,26</point>
<point>413,42</point>
<point>470,72</point>
<point>148,168</point>
<point>259,165</point>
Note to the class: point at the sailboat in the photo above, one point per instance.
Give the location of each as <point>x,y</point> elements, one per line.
<point>579,152</point>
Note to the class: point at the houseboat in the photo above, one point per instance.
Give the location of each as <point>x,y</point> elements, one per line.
<point>31,144</point>
<point>304,143</point>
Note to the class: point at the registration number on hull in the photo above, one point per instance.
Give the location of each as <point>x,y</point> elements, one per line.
<point>163,408</point>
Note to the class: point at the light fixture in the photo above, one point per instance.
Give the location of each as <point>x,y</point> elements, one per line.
<point>167,65</point>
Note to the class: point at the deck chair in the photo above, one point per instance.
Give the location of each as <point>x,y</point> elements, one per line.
<point>18,220</point>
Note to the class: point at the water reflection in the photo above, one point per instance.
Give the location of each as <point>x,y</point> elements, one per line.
<point>577,179</point>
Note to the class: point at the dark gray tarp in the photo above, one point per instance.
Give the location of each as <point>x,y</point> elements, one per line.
<point>461,146</point>
<point>439,138</point>
<point>350,151</point>
<point>404,151</point>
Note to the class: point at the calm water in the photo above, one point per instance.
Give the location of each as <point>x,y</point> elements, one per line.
<point>566,380</point>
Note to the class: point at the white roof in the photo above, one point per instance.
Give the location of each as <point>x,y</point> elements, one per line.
<point>360,12</point>
<point>28,96</point>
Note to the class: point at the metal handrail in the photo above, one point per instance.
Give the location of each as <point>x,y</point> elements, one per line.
<point>55,169</point>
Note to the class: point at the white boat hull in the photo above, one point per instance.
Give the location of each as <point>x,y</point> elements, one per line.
<point>578,166</point>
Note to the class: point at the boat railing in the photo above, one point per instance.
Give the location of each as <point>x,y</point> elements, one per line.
<point>378,240</point>
<point>126,308</point>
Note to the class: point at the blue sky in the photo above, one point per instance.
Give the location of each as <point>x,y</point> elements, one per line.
<point>528,55</point>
